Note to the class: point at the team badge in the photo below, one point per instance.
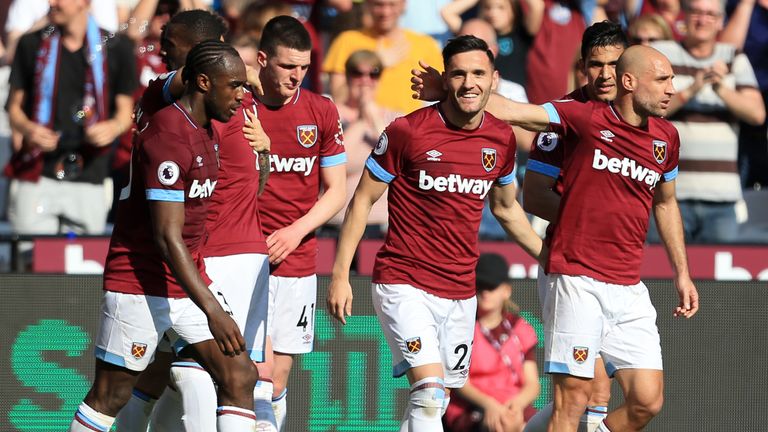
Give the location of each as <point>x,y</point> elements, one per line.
<point>138,350</point>
<point>660,150</point>
<point>381,146</point>
<point>547,141</point>
<point>413,345</point>
<point>168,173</point>
<point>580,354</point>
<point>307,135</point>
<point>489,159</point>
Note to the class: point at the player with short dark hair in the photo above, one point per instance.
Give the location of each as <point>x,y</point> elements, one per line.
<point>307,153</point>
<point>439,163</point>
<point>155,281</point>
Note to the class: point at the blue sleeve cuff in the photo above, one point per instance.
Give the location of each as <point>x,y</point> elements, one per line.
<point>379,172</point>
<point>334,160</point>
<point>165,195</point>
<point>543,168</point>
<point>669,176</point>
<point>507,179</point>
<point>169,99</point>
<point>554,116</point>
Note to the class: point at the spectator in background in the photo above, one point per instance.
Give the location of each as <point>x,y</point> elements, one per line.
<point>256,15</point>
<point>399,50</point>
<point>515,30</point>
<point>715,87</point>
<point>747,29</point>
<point>648,29</point>
<point>503,375</point>
<point>248,48</point>
<point>364,121</point>
<point>70,98</point>
<point>670,10</point>
<point>555,48</point>
<point>423,16</point>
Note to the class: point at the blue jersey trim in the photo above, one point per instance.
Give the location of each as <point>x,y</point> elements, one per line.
<point>91,424</point>
<point>669,176</point>
<point>556,367</point>
<point>400,369</point>
<point>334,160</point>
<point>543,168</point>
<point>554,116</point>
<point>507,179</point>
<point>165,195</point>
<point>167,97</point>
<point>108,357</point>
<point>378,171</point>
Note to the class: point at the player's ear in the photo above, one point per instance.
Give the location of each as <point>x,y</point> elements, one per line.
<point>203,82</point>
<point>261,58</point>
<point>495,80</point>
<point>628,81</point>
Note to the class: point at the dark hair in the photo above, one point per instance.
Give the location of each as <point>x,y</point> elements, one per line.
<point>207,57</point>
<point>284,31</point>
<point>462,44</point>
<point>602,34</point>
<point>199,25</point>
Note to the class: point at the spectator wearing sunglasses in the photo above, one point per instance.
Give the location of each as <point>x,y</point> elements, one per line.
<point>648,29</point>
<point>363,120</point>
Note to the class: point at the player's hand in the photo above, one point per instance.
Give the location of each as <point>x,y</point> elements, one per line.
<point>102,133</point>
<point>42,137</point>
<point>282,242</point>
<point>254,133</point>
<point>252,77</point>
<point>426,83</point>
<point>339,299</point>
<point>689,298</point>
<point>226,333</point>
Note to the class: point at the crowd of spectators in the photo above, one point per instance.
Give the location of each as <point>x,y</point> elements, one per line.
<point>65,136</point>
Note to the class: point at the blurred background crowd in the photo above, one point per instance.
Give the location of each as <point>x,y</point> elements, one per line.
<point>65,137</point>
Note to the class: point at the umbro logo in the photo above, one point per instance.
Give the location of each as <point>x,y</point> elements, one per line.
<point>434,155</point>
<point>607,135</point>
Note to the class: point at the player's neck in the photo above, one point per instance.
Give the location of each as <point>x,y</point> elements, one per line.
<point>626,109</point>
<point>460,119</point>
<point>273,99</point>
<point>195,106</point>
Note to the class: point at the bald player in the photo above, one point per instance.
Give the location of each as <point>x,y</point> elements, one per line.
<point>619,162</point>
<point>155,280</point>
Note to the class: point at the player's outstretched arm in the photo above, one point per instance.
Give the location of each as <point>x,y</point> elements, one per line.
<point>527,116</point>
<point>670,226</point>
<point>285,240</point>
<point>339,299</point>
<point>511,216</point>
<point>540,196</point>
<point>167,225</point>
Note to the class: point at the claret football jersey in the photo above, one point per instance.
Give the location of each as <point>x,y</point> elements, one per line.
<point>174,160</point>
<point>305,136</point>
<point>439,176</point>
<point>610,171</point>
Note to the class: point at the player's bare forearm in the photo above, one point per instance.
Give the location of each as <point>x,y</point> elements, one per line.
<point>540,198</point>
<point>263,170</point>
<point>527,116</point>
<point>330,203</point>
<point>512,218</point>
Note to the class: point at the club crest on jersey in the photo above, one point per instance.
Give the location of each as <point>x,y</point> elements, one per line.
<point>660,150</point>
<point>547,141</point>
<point>138,350</point>
<point>168,173</point>
<point>489,159</point>
<point>413,344</point>
<point>580,354</point>
<point>307,135</point>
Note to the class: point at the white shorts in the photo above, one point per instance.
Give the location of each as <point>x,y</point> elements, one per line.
<point>132,325</point>
<point>291,319</point>
<point>243,279</point>
<point>422,328</point>
<point>583,317</point>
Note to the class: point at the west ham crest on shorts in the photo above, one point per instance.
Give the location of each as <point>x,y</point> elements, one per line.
<point>307,135</point>
<point>138,350</point>
<point>660,150</point>
<point>580,354</point>
<point>413,345</point>
<point>489,159</point>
